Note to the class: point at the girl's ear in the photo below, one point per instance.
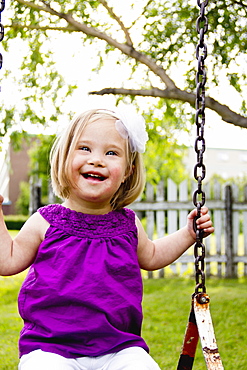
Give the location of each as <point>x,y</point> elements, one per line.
<point>128,173</point>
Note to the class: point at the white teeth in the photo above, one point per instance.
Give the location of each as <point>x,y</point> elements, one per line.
<point>92,175</point>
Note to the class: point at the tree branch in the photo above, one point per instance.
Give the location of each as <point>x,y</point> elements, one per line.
<point>18,26</point>
<point>124,48</point>
<point>34,6</point>
<point>224,111</point>
<point>114,16</point>
<point>171,91</point>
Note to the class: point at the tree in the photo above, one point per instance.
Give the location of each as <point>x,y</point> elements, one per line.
<point>164,43</point>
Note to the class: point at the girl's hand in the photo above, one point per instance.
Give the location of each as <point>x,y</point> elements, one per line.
<point>1,199</point>
<point>203,223</point>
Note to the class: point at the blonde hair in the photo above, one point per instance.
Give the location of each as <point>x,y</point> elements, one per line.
<point>61,157</point>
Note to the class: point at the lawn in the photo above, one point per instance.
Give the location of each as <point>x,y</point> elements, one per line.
<point>166,309</point>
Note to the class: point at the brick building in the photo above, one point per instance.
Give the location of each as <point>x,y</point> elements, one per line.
<point>14,168</point>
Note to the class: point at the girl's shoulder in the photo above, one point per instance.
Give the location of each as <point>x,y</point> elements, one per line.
<point>50,212</point>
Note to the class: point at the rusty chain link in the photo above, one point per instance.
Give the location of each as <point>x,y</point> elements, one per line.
<point>2,6</point>
<point>200,169</point>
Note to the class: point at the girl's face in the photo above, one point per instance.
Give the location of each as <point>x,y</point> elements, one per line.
<point>98,167</point>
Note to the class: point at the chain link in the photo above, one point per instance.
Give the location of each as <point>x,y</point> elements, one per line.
<point>2,6</point>
<point>200,169</point>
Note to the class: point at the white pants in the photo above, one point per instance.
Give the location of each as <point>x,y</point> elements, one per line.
<point>133,358</point>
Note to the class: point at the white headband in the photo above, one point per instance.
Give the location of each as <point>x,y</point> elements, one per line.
<point>130,125</point>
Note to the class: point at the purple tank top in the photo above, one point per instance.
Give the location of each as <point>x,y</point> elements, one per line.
<point>82,295</point>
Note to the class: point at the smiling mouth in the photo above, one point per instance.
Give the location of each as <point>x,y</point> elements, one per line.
<point>93,176</point>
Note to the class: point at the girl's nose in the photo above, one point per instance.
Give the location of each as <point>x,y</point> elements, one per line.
<point>96,161</point>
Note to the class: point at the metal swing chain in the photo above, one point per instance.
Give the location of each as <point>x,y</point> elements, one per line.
<point>200,169</point>
<point>2,6</point>
<point>200,323</point>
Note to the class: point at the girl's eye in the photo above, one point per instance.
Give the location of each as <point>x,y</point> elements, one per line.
<point>111,152</point>
<point>85,148</point>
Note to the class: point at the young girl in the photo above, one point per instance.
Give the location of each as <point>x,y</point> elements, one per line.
<point>81,300</point>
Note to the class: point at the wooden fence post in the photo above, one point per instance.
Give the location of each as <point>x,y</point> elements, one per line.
<point>172,226</point>
<point>218,224</point>
<point>51,195</point>
<point>183,197</point>
<point>160,218</point>
<point>245,230</point>
<point>229,231</point>
<point>235,229</point>
<point>150,217</point>
<point>35,195</point>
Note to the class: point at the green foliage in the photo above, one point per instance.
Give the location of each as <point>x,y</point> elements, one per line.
<point>15,222</point>
<point>22,203</point>
<point>163,153</point>
<point>17,139</point>
<point>169,32</point>
<point>6,122</point>
<point>39,156</point>
<point>227,24</point>
<point>169,26</point>
<point>39,162</point>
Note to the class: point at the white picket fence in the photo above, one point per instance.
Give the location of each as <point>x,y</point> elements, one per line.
<point>164,209</point>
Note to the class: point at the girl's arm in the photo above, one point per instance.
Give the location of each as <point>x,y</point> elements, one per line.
<point>153,255</point>
<point>18,254</point>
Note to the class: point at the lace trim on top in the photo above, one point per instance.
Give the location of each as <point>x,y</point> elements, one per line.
<point>86,225</point>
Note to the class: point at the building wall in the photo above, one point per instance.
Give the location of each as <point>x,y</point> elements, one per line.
<point>227,163</point>
<point>18,172</point>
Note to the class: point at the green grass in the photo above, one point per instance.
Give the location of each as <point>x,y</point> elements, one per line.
<point>10,322</point>
<point>166,309</point>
